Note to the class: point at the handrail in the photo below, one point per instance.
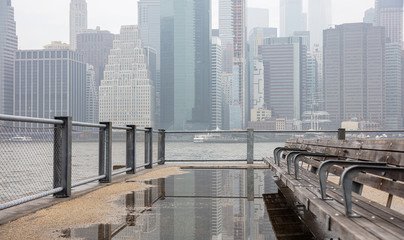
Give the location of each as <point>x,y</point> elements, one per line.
<point>207,131</point>
<point>83,124</point>
<point>121,128</point>
<point>4,117</point>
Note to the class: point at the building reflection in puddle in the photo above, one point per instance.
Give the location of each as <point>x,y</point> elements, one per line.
<point>202,204</point>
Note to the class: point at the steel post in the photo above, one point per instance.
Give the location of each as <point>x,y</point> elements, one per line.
<point>250,184</point>
<point>162,147</point>
<point>108,152</point>
<point>101,152</point>
<point>250,146</point>
<point>341,133</point>
<point>148,148</point>
<point>62,157</point>
<point>131,149</point>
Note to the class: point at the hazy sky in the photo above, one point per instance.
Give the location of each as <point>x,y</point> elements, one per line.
<point>40,22</point>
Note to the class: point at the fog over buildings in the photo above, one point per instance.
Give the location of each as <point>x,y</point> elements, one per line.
<point>273,65</point>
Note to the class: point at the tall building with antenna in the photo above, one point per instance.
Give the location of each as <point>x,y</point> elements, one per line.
<point>78,20</point>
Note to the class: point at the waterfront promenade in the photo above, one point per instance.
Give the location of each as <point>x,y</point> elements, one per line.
<point>78,180</point>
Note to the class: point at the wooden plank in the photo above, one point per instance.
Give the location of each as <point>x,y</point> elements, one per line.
<point>335,192</point>
<point>377,226</point>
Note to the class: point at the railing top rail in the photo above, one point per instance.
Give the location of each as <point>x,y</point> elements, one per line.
<point>287,131</point>
<point>295,131</point>
<point>141,130</point>
<point>4,117</point>
<point>374,131</point>
<point>121,128</point>
<point>212,131</point>
<point>83,124</point>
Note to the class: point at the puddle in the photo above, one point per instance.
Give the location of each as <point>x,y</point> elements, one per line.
<point>201,204</point>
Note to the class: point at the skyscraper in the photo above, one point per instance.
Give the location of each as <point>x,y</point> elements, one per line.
<point>317,53</point>
<point>216,83</point>
<point>393,86</point>
<point>95,46</point>
<point>320,18</point>
<point>232,31</point>
<point>126,92</point>
<point>226,34</point>
<point>49,83</point>
<point>284,76</point>
<point>203,39</point>
<point>257,37</point>
<point>78,20</point>
<point>354,73</point>
<point>92,97</point>
<point>370,16</point>
<point>257,88</point>
<point>389,14</point>
<point>8,46</point>
<point>292,18</point>
<point>256,67</point>
<point>312,84</point>
<point>149,32</point>
<point>240,56</point>
<point>185,64</point>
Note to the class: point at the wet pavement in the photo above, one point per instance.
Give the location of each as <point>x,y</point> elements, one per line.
<point>201,204</point>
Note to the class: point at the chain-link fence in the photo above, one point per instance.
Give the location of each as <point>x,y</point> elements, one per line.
<point>85,153</point>
<point>26,160</point>
<point>140,148</point>
<point>155,147</point>
<point>118,149</point>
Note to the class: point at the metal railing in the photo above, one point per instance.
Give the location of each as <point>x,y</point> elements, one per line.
<point>59,156</point>
<point>55,161</point>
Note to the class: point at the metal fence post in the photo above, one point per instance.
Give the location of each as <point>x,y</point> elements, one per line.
<point>131,149</point>
<point>62,157</point>
<point>162,146</point>
<point>148,148</point>
<point>108,152</point>
<point>250,146</point>
<point>341,133</point>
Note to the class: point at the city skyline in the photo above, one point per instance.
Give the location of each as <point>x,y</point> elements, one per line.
<point>34,20</point>
<point>188,90</point>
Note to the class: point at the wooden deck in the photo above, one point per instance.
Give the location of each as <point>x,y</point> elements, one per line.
<point>376,221</point>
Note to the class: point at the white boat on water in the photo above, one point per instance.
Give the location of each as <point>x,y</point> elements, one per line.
<point>216,137</point>
<point>203,138</point>
<point>21,139</point>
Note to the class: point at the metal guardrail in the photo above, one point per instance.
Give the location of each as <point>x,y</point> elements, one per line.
<point>62,150</point>
<point>62,154</point>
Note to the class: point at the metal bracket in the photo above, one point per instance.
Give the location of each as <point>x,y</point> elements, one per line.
<point>299,156</point>
<point>347,178</point>
<point>278,150</point>
<point>325,166</point>
<point>289,158</point>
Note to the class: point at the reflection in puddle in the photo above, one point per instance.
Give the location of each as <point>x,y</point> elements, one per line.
<point>202,204</point>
